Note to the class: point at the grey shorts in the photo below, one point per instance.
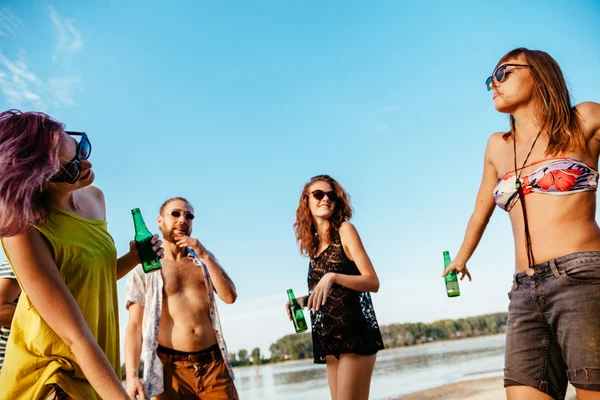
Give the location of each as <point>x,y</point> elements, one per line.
<point>553,332</point>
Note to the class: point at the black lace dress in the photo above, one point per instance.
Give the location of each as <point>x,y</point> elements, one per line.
<point>346,323</point>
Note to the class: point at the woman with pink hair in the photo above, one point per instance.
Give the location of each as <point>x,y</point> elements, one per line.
<point>64,340</point>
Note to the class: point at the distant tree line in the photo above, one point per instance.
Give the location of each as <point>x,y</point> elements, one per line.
<point>299,346</point>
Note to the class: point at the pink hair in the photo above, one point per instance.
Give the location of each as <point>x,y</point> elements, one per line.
<point>28,159</point>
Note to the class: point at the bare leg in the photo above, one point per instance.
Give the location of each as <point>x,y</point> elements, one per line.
<point>332,372</point>
<point>525,393</point>
<point>583,394</point>
<point>354,376</point>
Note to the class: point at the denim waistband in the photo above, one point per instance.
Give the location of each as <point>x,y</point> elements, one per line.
<point>553,265</point>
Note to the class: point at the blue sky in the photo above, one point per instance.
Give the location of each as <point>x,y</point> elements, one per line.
<point>236,105</point>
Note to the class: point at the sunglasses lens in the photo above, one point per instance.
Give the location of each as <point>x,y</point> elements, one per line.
<point>73,169</point>
<point>332,196</point>
<point>499,75</point>
<point>68,173</point>
<point>177,214</point>
<point>318,194</point>
<point>85,148</point>
<point>488,83</point>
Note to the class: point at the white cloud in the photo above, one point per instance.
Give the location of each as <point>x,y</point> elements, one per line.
<point>9,23</point>
<point>64,90</point>
<point>69,38</point>
<point>22,87</point>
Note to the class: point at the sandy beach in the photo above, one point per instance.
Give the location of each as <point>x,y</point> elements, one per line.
<point>481,389</point>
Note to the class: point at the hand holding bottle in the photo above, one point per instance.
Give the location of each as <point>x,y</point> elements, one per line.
<point>183,241</point>
<point>148,249</point>
<point>301,301</point>
<point>156,247</point>
<point>459,267</point>
<point>295,312</point>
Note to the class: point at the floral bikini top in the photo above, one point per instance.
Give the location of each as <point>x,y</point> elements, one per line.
<point>559,176</point>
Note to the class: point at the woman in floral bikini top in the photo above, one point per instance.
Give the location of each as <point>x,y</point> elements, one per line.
<point>553,329</point>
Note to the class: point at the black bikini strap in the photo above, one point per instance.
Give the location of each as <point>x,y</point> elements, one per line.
<point>519,187</point>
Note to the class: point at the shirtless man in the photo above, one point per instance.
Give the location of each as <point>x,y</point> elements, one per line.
<point>173,321</point>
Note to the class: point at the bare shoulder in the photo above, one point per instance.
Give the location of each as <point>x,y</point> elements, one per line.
<point>95,193</point>
<point>589,112</point>
<point>25,242</point>
<point>588,108</point>
<point>496,140</point>
<point>95,198</point>
<point>495,146</point>
<point>347,228</point>
<point>25,238</point>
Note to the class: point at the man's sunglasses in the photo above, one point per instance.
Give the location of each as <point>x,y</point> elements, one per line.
<point>500,73</point>
<point>71,171</point>
<point>177,214</point>
<point>320,195</point>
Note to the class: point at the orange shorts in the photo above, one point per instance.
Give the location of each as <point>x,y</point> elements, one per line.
<point>201,375</point>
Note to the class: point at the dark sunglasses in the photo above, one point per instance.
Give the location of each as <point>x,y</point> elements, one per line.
<point>500,73</point>
<point>71,171</point>
<point>177,214</point>
<point>320,195</point>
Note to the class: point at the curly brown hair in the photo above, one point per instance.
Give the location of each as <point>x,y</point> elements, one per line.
<point>304,227</point>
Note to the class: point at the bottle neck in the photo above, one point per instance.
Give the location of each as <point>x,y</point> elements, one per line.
<point>291,296</point>
<point>447,260</point>
<point>138,222</point>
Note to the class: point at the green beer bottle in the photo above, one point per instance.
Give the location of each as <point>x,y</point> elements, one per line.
<point>451,279</point>
<point>143,242</point>
<point>297,313</point>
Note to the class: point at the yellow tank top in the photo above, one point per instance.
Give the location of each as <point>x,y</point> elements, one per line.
<point>36,357</point>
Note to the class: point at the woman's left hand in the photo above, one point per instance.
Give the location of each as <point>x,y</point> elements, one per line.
<point>156,246</point>
<point>319,294</point>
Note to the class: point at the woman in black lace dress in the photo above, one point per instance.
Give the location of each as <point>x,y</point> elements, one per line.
<point>345,332</point>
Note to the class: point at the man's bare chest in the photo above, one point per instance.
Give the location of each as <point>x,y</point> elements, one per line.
<point>182,278</point>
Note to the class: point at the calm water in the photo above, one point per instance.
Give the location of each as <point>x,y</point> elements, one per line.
<point>397,372</point>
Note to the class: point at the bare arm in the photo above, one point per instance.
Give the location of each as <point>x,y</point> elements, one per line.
<point>367,281</point>
<point>130,260</point>
<point>9,290</point>
<point>41,280</point>
<point>133,350</point>
<point>222,283</point>
<point>126,263</point>
<point>590,117</point>
<point>133,340</point>
<point>484,207</point>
